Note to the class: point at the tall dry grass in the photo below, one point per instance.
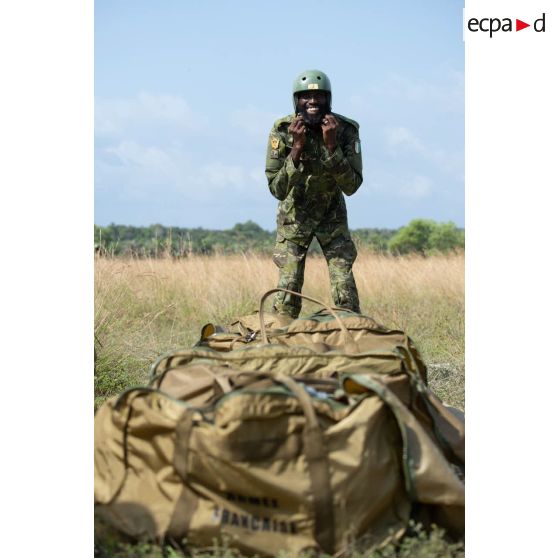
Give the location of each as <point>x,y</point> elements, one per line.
<point>146,307</point>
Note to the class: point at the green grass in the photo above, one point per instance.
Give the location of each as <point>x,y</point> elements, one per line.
<point>418,543</point>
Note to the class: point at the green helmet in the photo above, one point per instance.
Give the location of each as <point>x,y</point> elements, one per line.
<point>311,79</point>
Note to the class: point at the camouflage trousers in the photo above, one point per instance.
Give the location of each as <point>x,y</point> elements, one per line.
<point>290,258</point>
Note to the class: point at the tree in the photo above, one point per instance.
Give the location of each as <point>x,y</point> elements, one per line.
<point>412,238</point>
<point>426,236</point>
<point>446,237</point>
<point>249,228</point>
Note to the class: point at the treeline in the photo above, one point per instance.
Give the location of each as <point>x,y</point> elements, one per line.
<point>420,235</point>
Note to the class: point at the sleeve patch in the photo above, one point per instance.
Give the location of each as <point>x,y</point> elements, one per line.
<point>274,154</point>
<point>357,146</point>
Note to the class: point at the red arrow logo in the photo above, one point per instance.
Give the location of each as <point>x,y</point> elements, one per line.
<point>519,25</point>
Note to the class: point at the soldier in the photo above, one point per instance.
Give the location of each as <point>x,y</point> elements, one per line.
<point>313,158</point>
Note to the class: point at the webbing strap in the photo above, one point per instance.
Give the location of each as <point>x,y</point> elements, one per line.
<point>318,467</point>
<point>182,443</point>
<point>186,506</point>
<point>187,502</point>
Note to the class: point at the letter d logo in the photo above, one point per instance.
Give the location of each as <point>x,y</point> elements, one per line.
<point>539,24</point>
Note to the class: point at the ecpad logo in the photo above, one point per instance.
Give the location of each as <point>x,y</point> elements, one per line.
<point>494,24</point>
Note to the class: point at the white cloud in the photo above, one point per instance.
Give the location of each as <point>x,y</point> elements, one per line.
<point>142,168</point>
<point>402,138</point>
<point>220,175</point>
<point>149,157</point>
<point>133,150</point>
<point>398,184</point>
<point>257,175</point>
<point>416,187</point>
<point>253,121</point>
<point>115,116</point>
<point>145,143</point>
<point>447,95</point>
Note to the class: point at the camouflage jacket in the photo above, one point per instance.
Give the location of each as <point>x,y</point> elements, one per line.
<point>311,195</point>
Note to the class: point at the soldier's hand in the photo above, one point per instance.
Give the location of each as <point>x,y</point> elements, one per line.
<point>298,131</point>
<point>329,131</point>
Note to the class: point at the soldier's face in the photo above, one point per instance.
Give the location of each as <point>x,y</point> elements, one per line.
<point>312,105</point>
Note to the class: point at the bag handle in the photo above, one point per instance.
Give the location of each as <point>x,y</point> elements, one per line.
<point>351,344</point>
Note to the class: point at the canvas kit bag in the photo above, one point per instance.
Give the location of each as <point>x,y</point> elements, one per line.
<point>284,445</point>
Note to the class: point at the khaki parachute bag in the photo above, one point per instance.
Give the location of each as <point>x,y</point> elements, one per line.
<point>279,447</point>
<point>328,329</point>
<point>367,346</point>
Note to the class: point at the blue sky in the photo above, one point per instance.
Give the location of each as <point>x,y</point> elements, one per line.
<point>186,93</point>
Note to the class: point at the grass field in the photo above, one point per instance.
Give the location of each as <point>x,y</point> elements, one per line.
<point>144,308</point>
